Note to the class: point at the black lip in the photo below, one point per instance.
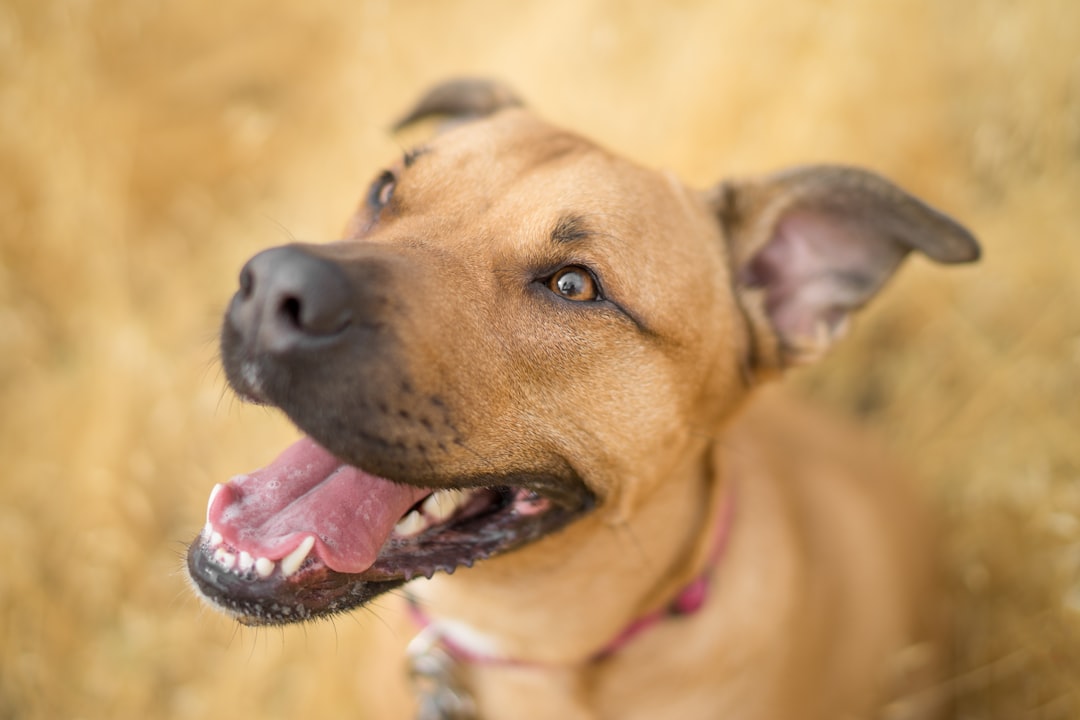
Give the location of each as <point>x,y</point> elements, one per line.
<point>273,601</point>
<point>317,591</point>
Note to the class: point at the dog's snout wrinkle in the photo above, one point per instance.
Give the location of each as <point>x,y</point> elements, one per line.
<point>290,298</point>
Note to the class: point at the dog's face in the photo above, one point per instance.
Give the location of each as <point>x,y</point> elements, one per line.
<point>520,328</point>
<point>495,282</point>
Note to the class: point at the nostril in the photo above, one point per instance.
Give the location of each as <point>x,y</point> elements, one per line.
<point>314,313</point>
<point>290,311</point>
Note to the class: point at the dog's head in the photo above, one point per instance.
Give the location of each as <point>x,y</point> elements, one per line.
<point>519,328</point>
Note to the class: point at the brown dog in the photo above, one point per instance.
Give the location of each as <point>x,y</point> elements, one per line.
<point>535,351</point>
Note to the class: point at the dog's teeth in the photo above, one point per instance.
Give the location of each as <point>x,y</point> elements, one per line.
<point>210,502</point>
<point>292,562</point>
<point>216,539</point>
<point>224,558</point>
<point>245,562</point>
<point>264,566</point>
<point>442,504</point>
<point>410,525</point>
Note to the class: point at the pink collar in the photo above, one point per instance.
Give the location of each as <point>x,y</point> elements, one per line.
<point>689,600</point>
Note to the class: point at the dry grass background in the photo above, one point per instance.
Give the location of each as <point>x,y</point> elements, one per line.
<point>147,148</point>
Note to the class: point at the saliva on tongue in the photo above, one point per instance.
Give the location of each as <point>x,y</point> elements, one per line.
<point>304,492</point>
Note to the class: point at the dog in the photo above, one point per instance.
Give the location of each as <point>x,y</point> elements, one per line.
<point>531,355</point>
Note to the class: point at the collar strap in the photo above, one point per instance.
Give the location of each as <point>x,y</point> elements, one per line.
<point>687,602</point>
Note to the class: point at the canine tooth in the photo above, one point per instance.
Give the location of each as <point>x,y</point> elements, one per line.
<point>411,524</point>
<point>245,561</point>
<point>442,504</point>
<point>292,562</point>
<point>224,558</point>
<point>216,539</point>
<point>210,502</point>
<point>264,566</point>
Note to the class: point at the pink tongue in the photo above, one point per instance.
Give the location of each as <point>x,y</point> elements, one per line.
<point>307,491</point>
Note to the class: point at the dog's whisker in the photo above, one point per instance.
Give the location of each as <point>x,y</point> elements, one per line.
<point>624,529</point>
<point>465,446</point>
<point>233,638</point>
<point>337,637</point>
<point>373,610</point>
<point>304,631</point>
<point>281,227</point>
<point>222,394</point>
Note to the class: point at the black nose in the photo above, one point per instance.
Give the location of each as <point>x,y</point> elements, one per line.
<point>290,298</point>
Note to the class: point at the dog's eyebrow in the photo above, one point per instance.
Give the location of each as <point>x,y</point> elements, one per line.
<point>569,230</point>
<point>413,155</point>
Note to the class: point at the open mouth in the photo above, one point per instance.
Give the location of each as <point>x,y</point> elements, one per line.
<point>309,535</point>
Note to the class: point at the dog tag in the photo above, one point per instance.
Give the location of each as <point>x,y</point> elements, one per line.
<point>436,679</point>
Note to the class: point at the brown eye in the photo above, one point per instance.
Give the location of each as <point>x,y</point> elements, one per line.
<point>382,190</point>
<point>574,283</point>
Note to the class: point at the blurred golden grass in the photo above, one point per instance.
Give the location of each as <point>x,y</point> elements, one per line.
<point>146,149</point>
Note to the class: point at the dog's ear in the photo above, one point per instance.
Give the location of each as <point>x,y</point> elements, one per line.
<point>459,100</point>
<point>813,244</point>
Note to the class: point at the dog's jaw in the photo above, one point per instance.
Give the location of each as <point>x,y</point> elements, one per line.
<point>310,535</point>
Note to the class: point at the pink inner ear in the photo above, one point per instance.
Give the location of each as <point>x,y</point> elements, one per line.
<point>818,267</point>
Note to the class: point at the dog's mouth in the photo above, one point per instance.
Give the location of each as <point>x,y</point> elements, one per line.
<point>309,535</point>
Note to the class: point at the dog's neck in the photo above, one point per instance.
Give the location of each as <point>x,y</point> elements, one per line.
<point>464,644</point>
<point>546,619</point>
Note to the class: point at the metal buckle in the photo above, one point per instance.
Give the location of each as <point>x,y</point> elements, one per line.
<point>437,679</point>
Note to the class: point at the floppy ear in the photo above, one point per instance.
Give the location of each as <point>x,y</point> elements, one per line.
<point>459,100</point>
<point>813,244</point>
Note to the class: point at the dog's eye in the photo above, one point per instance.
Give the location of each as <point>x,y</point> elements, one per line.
<point>382,190</point>
<point>574,282</point>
